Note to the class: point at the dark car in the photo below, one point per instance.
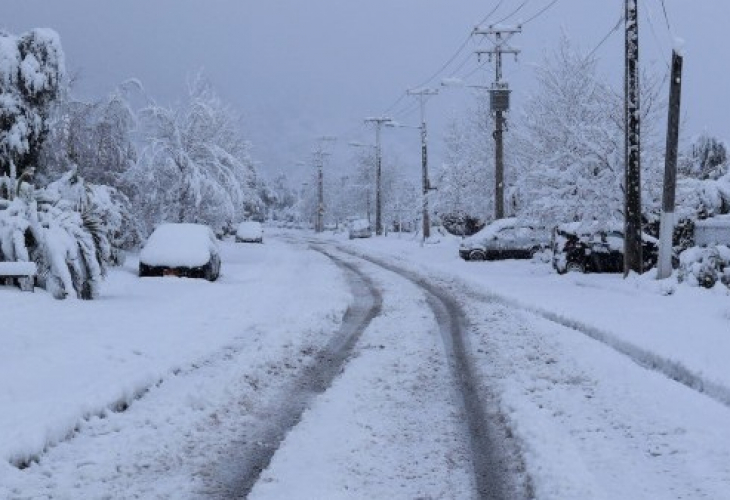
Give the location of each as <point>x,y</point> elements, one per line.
<point>184,250</point>
<point>505,239</point>
<point>593,249</point>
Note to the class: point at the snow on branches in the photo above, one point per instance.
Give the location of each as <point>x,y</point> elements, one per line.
<point>196,168</point>
<point>32,70</point>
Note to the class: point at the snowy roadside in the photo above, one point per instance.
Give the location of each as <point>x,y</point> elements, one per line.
<point>174,342</point>
<point>678,330</point>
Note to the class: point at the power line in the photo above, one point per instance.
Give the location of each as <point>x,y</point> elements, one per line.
<point>513,12</point>
<point>456,54</point>
<point>666,17</point>
<point>484,20</point>
<point>540,12</point>
<point>605,38</point>
<point>650,19</point>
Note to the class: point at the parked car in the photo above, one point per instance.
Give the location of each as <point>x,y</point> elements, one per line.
<point>505,239</point>
<point>184,250</point>
<point>360,228</point>
<point>250,232</point>
<point>596,249</point>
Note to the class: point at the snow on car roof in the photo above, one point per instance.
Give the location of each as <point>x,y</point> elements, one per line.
<point>498,225</point>
<point>360,224</point>
<point>179,245</point>
<point>250,228</point>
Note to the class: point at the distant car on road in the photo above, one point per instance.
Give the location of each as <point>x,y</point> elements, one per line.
<point>184,250</point>
<point>596,249</point>
<point>505,239</point>
<point>360,228</point>
<point>250,232</point>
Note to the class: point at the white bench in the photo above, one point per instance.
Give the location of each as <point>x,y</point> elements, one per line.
<point>22,273</point>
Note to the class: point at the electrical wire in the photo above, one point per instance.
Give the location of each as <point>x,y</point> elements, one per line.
<point>650,20</point>
<point>540,12</point>
<point>449,61</point>
<point>605,39</point>
<point>666,18</point>
<point>513,12</point>
<point>484,20</point>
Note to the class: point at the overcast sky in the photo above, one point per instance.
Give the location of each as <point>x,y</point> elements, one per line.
<point>297,69</point>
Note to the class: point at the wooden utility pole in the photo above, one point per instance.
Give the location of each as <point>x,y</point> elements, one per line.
<point>378,123</point>
<point>666,228</point>
<point>499,101</point>
<point>633,258</point>
<point>320,154</point>
<point>422,95</point>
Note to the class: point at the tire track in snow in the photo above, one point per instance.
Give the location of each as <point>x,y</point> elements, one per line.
<point>287,411</point>
<point>496,463</point>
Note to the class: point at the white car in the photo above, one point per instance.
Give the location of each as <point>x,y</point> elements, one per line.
<point>250,232</point>
<point>360,228</point>
<point>184,250</point>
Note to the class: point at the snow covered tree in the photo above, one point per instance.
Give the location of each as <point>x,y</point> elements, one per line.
<point>571,136</point>
<point>706,159</point>
<point>32,70</point>
<point>466,178</point>
<point>195,167</point>
<point>97,138</point>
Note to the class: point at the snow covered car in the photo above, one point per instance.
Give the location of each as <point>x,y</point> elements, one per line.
<point>185,250</point>
<point>505,239</point>
<point>360,228</point>
<point>250,232</point>
<point>593,249</point>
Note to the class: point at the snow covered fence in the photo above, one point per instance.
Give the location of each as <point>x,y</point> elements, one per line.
<point>24,272</point>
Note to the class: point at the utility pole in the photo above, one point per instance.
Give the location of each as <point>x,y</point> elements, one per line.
<point>378,122</point>
<point>666,227</point>
<point>633,259</point>
<point>499,101</point>
<point>320,154</point>
<point>423,95</point>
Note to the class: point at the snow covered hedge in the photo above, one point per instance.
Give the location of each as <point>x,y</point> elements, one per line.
<point>704,267</point>
<point>72,231</point>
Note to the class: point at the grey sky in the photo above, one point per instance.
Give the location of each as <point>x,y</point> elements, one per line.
<point>296,69</point>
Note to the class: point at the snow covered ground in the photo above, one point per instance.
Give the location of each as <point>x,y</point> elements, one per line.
<point>594,422</point>
<point>145,392</point>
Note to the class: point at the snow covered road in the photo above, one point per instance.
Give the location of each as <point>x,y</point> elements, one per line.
<point>163,387</point>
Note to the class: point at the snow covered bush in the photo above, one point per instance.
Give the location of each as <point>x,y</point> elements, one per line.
<point>460,223</point>
<point>704,267</point>
<point>70,229</point>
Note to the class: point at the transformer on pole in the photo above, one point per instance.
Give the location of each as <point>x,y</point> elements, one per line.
<point>499,95</point>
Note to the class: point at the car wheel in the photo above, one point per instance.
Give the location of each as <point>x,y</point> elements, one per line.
<point>575,267</point>
<point>534,251</point>
<point>477,255</point>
